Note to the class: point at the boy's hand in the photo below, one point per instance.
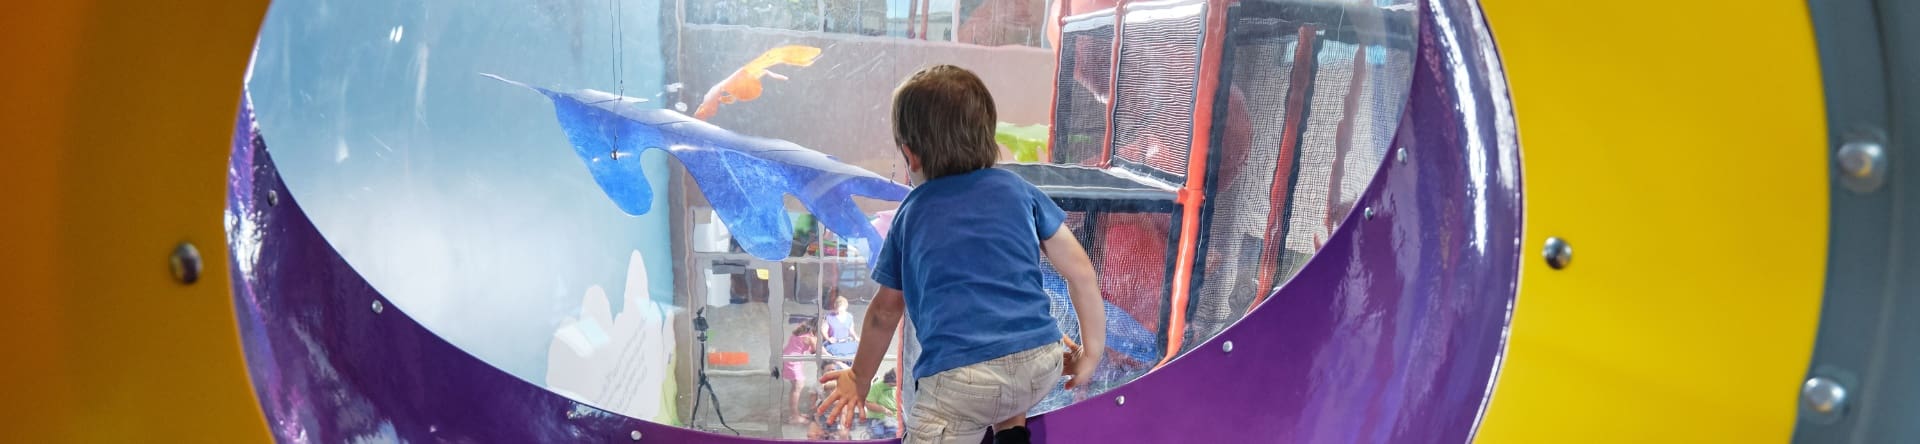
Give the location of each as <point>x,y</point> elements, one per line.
<point>849,397</point>
<point>1077,366</point>
<point>1066,359</point>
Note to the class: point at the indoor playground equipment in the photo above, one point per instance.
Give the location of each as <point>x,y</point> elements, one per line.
<point>633,220</point>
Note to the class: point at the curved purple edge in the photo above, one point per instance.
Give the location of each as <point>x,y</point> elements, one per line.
<point>1391,333</point>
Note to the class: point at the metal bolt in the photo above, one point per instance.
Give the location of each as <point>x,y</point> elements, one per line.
<point>1368,212</point>
<point>1227,347</point>
<point>1120,400</point>
<point>1863,165</point>
<point>1559,254</point>
<point>635,435</point>
<point>273,198</point>
<point>1400,155</point>
<point>185,263</point>
<point>378,307</point>
<point>1824,396</point>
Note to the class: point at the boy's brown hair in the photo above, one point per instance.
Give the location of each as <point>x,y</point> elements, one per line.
<point>945,116</point>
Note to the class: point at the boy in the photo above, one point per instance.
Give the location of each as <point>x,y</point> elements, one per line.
<point>962,258</point>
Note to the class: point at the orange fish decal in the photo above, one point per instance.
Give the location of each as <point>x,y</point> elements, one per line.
<point>744,83</point>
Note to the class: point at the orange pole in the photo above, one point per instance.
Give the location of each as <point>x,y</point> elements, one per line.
<point>1193,193</point>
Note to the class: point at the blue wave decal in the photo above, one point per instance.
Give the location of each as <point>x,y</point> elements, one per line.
<point>744,177</point>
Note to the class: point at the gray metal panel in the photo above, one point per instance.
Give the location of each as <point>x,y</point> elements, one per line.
<point>1866,317</point>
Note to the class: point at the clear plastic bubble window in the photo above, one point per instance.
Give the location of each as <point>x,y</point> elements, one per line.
<point>613,199</point>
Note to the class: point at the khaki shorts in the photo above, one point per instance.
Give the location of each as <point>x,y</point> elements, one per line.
<point>959,405</point>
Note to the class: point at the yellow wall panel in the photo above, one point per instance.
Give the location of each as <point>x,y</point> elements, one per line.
<point>1678,146</point>
<point>115,126</point>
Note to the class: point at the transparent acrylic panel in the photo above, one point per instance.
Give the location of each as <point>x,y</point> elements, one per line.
<point>454,194</point>
<point>556,186</point>
<point>1315,90</point>
<point>484,166</point>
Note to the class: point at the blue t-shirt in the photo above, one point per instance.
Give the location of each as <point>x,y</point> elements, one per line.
<point>965,251</point>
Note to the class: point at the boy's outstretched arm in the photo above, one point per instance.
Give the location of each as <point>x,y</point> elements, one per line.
<point>883,318</point>
<point>1083,287</point>
<point>850,394</point>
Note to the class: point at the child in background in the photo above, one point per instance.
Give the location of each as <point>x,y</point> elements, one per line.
<point>963,259</point>
<point>801,343</point>
<point>883,413</point>
<point>841,340</point>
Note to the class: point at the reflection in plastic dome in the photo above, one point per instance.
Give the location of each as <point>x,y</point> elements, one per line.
<point>666,173</point>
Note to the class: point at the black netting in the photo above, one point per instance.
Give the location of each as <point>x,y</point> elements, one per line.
<point>1080,101</point>
<point>1130,252</point>
<point>1126,226</point>
<point>1333,170</point>
<point>1350,112</point>
<point>1250,159</point>
<point>1158,75</point>
<point>1311,218</point>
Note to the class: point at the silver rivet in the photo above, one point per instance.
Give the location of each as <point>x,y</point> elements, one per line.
<point>378,307</point>
<point>185,263</point>
<point>1368,213</point>
<point>1120,400</point>
<point>635,435</point>
<point>1227,347</point>
<point>1824,396</point>
<point>273,198</point>
<point>1863,165</point>
<point>1558,252</point>
<point>1400,155</point>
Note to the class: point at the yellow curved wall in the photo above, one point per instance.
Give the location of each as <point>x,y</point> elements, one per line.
<point>1678,146</point>
<point>114,120</point>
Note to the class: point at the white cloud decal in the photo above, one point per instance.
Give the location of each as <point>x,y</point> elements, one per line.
<point>622,364</point>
